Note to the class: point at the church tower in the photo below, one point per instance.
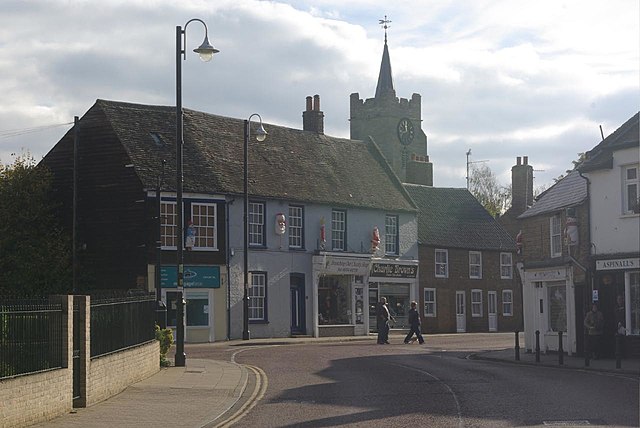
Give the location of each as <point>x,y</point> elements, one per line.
<point>395,124</point>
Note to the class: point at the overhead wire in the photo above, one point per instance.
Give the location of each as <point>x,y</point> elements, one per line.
<point>23,131</point>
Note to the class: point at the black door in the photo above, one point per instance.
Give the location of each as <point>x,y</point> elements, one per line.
<point>298,324</point>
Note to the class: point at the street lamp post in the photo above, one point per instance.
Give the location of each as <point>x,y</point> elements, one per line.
<point>205,51</point>
<point>261,134</point>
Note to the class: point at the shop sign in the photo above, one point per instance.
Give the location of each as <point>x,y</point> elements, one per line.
<point>194,277</point>
<point>546,275</point>
<point>392,270</point>
<point>347,266</point>
<point>617,264</point>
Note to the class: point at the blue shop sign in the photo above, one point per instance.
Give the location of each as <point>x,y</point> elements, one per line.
<point>194,277</point>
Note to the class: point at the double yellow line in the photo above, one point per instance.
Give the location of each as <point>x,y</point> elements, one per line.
<point>258,392</point>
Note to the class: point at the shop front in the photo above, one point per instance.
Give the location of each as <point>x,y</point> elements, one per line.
<point>617,293</point>
<point>398,282</point>
<point>204,302</point>
<point>339,287</point>
<point>550,308</point>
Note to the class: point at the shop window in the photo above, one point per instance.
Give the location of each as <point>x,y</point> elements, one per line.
<point>507,303</point>
<point>338,230</point>
<point>334,300</point>
<point>442,264</point>
<point>557,298</point>
<point>429,302</point>
<point>296,227</point>
<point>506,265</point>
<point>257,236</point>
<point>475,264</point>
<point>197,309</point>
<point>391,235</point>
<point>630,191</point>
<point>555,228</point>
<point>168,225</point>
<point>476,303</point>
<point>258,297</point>
<point>203,219</point>
<point>634,306</point>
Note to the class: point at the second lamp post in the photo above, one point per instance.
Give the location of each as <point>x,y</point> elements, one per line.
<point>261,134</point>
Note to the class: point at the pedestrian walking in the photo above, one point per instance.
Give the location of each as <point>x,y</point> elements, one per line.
<point>382,317</point>
<point>594,323</point>
<point>414,323</point>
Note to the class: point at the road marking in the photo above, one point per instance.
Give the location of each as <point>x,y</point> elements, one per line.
<point>259,390</point>
<point>455,397</point>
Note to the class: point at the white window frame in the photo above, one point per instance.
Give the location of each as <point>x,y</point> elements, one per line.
<point>555,235</point>
<point>202,230</point>
<point>476,304</point>
<point>257,216</point>
<point>632,295</point>
<point>506,266</point>
<point>339,230</point>
<point>257,294</point>
<point>168,225</point>
<point>507,303</point>
<point>296,227</point>
<point>444,263</point>
<point>391,235</point>
<point>430,307</point>
<point>475,265</point>
<point>628,185</point>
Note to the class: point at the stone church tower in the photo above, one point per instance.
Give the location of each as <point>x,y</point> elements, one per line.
<point>394,124</point>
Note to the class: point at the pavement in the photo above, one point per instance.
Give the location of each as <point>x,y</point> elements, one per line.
<point>213,393</point>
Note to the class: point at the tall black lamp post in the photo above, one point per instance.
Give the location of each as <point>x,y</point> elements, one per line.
<point>205,51</point>
<point>261,134</point>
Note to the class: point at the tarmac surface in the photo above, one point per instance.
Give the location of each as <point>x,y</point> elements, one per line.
<point>209,393</point>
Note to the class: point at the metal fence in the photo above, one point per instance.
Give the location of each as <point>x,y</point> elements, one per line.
<point>31,338</point>
<point>121,323</point>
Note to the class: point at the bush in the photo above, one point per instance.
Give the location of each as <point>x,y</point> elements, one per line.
<point>165,337</point>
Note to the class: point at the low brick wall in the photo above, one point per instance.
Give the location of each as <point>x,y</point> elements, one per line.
<point>29,399</point>
<point>111,374</point>
<point>336,330</point>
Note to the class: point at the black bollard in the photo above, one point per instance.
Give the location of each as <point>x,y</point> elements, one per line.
<point>619,351</point>
<point>560,350</point>
<point>587,350</point>
<point>517,346</point>
<point>537,346</point>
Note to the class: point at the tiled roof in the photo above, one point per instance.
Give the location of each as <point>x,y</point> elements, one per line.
<point>290,164</point>
<point>453,218</point>
<point>567,192</point>
<point>601,156</point>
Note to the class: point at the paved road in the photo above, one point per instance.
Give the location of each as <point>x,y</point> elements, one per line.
<point>364,384</point>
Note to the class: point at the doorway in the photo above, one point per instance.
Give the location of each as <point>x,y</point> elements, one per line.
<point>461,313</point>
<point>298,313</point>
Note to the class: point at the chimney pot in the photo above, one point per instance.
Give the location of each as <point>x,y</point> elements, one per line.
<point>518,160</point>
<point>309,103</point>
<point>525,160</point>
<point>316,102</point>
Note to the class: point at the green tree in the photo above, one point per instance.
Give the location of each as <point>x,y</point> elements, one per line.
<point>484,185</point>
<point>35,255</point>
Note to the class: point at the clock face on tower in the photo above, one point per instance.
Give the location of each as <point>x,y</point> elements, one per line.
<point>405,131</point>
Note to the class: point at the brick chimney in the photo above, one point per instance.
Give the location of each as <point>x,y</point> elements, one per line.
<point>312,117</point>
<point>521,185</point>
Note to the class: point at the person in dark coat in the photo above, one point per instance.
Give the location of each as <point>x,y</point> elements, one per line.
<point>382,316</point>
<point>414,323</point>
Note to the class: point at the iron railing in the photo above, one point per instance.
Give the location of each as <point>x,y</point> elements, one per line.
<point>31,337</point>
<point>121,323</point>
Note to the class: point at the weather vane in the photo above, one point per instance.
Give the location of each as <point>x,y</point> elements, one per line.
<point>385,24</point>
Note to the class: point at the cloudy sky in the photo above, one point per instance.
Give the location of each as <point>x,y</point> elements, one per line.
<point>503,78</point>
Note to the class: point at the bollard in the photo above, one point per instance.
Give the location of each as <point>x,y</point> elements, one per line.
<point>619,351</point>
<point>517,346</point>
<point>537,346</point>
<point>587,350</point>
<point>560,350</point>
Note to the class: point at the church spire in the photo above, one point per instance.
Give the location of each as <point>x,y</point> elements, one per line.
<point>385,81</point>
